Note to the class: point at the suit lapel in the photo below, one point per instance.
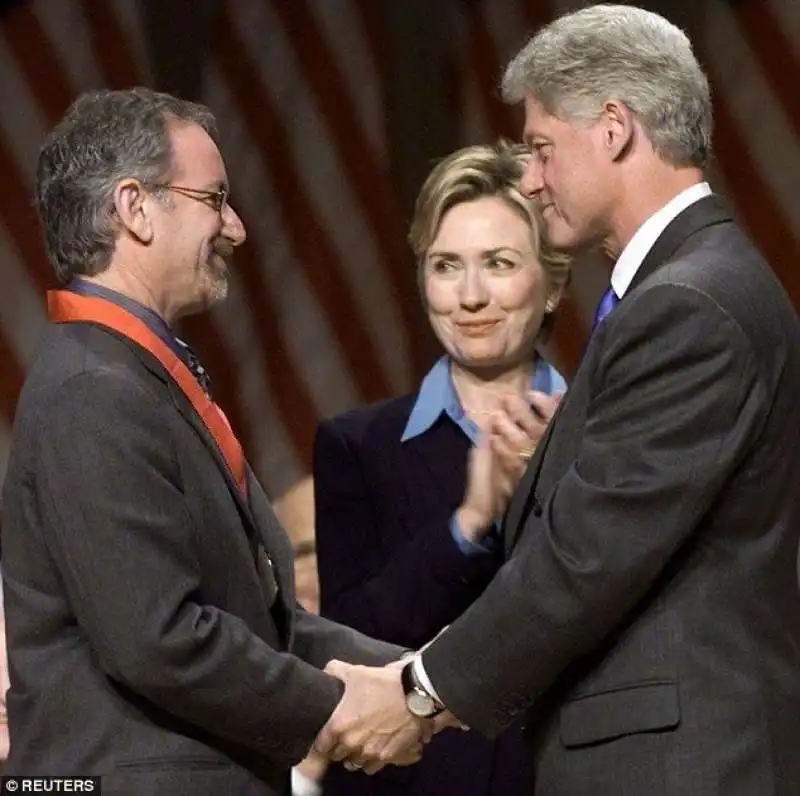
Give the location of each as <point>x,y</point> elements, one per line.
<point>270,547</point>
<point>278,551</point>
<point>704,213</point>
<point>188,412</point>
<point>700,215</point>
<point>525,493</point>
<point>190,415</point>
<point>66,306</point>
<point>442,451</point>
<point>265,537</point>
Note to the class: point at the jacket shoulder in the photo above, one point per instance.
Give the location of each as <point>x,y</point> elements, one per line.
<point>90,354</point>
<point>382,420</point>
<point>724,266</point>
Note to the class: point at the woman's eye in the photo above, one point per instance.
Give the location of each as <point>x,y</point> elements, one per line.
<point>442,266</point>
<point>500,263</point>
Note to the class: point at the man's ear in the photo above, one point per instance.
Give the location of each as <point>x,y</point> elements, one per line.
<point>132,209</point>
<point>618,127</point>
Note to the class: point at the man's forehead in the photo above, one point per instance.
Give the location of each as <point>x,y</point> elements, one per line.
<point>194,152</point>
<point>537,120</point>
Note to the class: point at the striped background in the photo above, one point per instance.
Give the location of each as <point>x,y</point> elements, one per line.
<point>324,314</point>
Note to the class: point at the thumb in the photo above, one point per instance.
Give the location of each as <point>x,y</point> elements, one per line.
<point>337,668</point>
<point>481,451</point>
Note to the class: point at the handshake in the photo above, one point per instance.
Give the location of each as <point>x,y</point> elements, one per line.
<point>372,726</point>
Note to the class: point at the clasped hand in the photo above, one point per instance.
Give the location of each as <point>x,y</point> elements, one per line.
<point>371,726</point>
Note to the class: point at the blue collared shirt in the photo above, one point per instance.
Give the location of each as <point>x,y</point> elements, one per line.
<point>153,320</point>
<point>437,396</point>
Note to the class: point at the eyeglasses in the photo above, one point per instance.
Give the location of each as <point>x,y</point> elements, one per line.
<point>215,199</point>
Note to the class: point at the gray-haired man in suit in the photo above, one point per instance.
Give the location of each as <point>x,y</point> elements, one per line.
<point>647,619</point>
<point>153,632</point>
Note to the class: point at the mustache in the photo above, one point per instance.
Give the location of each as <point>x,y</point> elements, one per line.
<point>223,248</point>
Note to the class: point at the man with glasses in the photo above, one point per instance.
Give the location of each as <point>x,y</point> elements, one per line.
<point>153,632</point>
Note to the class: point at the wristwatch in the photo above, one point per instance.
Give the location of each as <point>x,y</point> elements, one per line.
<point>418,701</point>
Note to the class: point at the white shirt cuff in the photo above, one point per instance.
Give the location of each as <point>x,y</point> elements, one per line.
<point>424,680</point>
<point>303,786</point>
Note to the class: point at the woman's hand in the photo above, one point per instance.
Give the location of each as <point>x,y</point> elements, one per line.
<point>516,430</point>
<point>500,458</point>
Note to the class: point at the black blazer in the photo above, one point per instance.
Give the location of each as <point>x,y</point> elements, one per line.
<point>648,618</point>
<point>389,567</point>
<point>145,644</point>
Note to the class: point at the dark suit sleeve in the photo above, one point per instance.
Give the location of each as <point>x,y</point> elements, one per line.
<point>676,402</point>
<point>404,595</point>
<point>318,640</point>
<point>109,495</point>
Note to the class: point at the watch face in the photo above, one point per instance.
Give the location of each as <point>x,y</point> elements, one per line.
<point>420,704</point>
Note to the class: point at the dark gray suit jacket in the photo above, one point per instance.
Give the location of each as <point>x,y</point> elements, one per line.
<point>146,644</point>
<point>648,617</point>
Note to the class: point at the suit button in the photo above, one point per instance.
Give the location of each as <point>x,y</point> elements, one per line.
<point>537,510</point>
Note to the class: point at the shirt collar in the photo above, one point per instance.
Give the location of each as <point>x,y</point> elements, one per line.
<point>152,319</point>
<point>78,285</point>
<point>437,395</point>
<point>644,239</point>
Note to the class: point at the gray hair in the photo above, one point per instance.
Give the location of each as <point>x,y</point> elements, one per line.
<point>579,61</point>
<point>105,137</point>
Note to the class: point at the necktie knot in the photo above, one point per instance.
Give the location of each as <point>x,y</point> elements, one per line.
<point>195,366</point>
<point>607,303</point>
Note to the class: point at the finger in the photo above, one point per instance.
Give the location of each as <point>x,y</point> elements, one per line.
<point>410,756</point>
<point>479,467</point>
<point>428,731</point>
<point>342,751</point>
<point>337,668</point>
<point>522,428</point>
<point>337,753</point>
<point>509,445</point>
<point>373,768</point>
<point>447,720</point>
<point>325,742</point>
<point>407,757</point>
<point>531,414</point>
<point>480,453</point>
<point>512,450</point>
<point>543,404</point>
<point>357,762</point>
<point>337,744</point>
<point>373,747</point>
<point>405,739</point>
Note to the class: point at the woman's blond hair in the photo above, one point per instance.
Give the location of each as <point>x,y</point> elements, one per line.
<point>476,172</point>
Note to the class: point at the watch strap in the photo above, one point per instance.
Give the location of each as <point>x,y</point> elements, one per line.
<point>410,683</point>
<point>407,678</point>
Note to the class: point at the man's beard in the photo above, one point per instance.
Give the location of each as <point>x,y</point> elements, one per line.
<point>215,277</point>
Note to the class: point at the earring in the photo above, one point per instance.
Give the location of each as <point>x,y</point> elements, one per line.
<point>551,304</point>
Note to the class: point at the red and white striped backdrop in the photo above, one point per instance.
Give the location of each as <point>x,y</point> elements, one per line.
<point>321,314</point>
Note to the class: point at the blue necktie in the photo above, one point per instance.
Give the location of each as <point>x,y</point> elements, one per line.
<point>607,303</point>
